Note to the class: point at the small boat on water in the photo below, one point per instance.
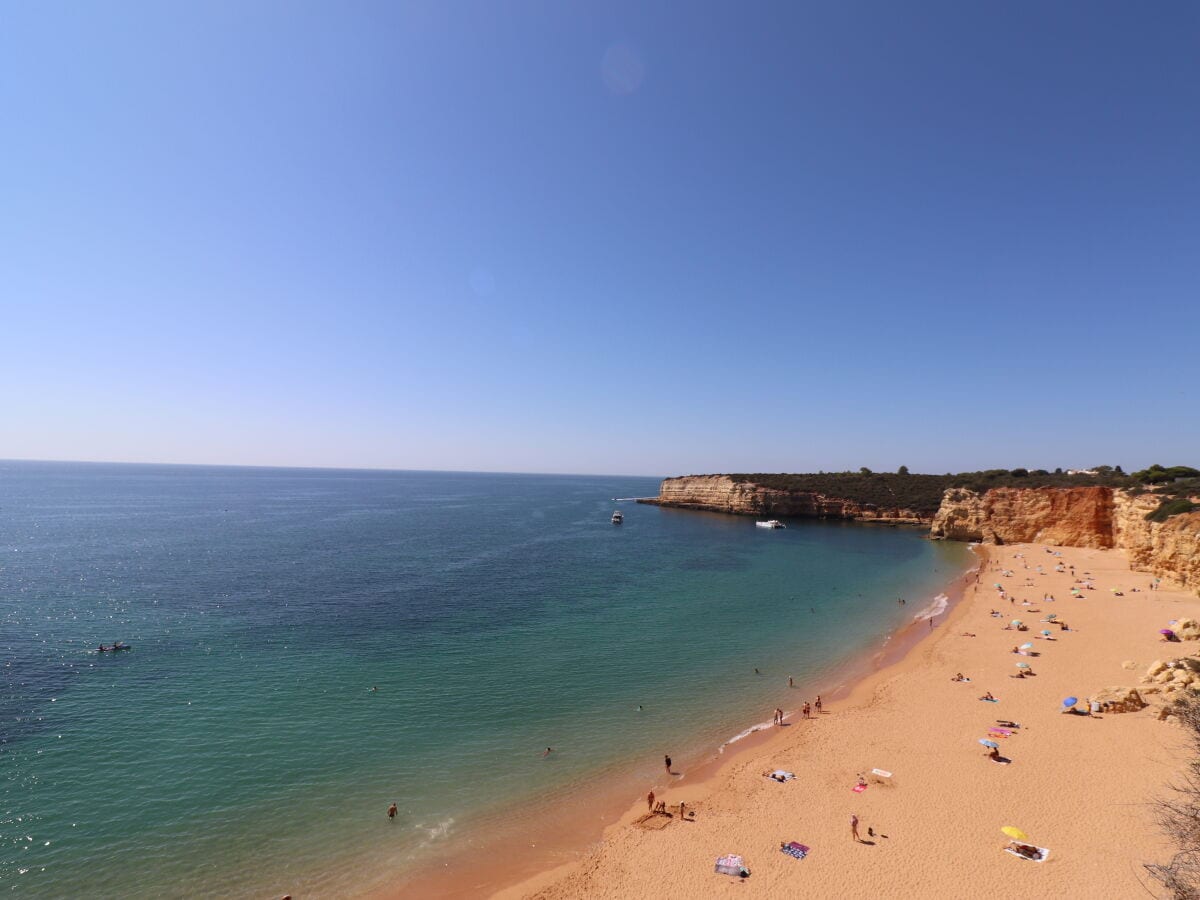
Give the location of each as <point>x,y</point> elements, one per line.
<point>617,518</point>
<point>770,523</point>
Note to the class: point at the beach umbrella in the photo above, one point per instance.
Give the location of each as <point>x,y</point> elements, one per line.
<point>1015,833</point>
<point>1051,615</point>
<point>1046,632</point>
<point>1017,622</point>
<point>1026,646</point>
<point>988,743</point>
<point>1070,701</point>
<point>996,584</point>
<point>1165,631</point>
<point>1022,665</point>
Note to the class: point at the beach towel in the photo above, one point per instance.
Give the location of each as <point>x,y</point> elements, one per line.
<point>1041,850</point>
<point>1001,731</point>
<point>731,865</point>
<point>780,775</point>
<point>795,849</point>
<point>859,788</point>
<point>989,699</point>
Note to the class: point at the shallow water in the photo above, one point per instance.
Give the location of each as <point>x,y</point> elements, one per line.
<point>238,748</point>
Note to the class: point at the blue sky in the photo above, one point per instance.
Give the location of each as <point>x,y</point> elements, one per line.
<point>619,237</point>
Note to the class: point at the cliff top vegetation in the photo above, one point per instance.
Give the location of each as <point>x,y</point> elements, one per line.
<point>923,493</point>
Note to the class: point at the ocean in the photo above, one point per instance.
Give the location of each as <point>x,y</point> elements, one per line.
<point>309,646</point>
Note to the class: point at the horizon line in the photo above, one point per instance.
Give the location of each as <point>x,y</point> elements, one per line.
<point>200,465</point>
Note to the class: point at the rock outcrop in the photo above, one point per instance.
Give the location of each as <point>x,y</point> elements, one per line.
<point>1169,549</point>
<point>720,493</point>
<point>1066,517</point>
<point>1119,700</point>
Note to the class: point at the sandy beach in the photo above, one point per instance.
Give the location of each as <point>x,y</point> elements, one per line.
<point>1080,786</point>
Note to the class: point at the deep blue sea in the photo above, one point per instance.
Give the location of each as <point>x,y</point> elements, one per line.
<point>239,750</point>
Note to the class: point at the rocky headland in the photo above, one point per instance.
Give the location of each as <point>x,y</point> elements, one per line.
<point>1098,517</point>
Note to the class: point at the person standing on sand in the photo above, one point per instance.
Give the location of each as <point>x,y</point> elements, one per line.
<point>854,829</point>
<point>650,801</point>
<point>791,683</point>
<point>667,761</point>
<point>817,704</point>
<point>392,812</point>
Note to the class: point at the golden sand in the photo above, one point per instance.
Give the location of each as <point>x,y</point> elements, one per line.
<point>1080,786</point>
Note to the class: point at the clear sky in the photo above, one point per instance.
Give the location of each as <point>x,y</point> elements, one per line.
<point>651,238</point>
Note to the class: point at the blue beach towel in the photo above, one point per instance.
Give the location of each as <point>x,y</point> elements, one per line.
<point>794,849</point>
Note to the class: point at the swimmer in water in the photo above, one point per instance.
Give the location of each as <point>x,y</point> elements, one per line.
<point>549,750</point>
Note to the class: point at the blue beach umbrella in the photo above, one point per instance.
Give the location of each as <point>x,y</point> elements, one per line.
<point>1016,622</point>
<point>1026,647</point>
<point>1022,665</point>
<point>1070,701</point>
<point>988,743</point>
<point>1046,632</point>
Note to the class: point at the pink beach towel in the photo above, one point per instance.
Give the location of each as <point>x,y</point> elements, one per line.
<point>859,788</point>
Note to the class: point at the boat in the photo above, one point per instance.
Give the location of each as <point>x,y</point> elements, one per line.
<point>617,518</point>
<point>770,523</point>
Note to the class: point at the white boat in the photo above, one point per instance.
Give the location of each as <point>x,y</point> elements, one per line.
<point>617,518</point>
<point>770,523</point>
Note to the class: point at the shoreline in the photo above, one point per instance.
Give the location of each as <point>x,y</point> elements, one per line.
<point>1090,800</point>
<point>563,838</point>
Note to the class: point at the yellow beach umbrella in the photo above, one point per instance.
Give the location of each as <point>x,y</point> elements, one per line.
<point>1015,833</point>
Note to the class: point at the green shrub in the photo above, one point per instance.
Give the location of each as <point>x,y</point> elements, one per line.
<point>1169,508</point>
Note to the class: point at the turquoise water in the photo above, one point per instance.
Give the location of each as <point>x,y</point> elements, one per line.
<point>238,750</point>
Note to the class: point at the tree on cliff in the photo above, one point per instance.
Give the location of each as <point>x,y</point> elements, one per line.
<point>903,470</point>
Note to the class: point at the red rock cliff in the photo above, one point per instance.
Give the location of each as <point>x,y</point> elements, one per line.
<point>1072,517</point>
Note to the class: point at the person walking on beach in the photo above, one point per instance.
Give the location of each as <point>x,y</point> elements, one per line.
<point>667,761</point>
<point>817,704</point>
<point>807,710</point>
<point>392,812</point>
<point>854,829</point>
<point>650,801</point>
<point>791,683</point>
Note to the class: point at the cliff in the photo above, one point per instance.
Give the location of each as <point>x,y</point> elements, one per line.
<point>1169,549</point>
<point>1076,517</point>
<point>720,493</point>
<point>1071,517</point>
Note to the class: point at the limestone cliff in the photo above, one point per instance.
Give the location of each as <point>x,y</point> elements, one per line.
<point>1095,516</point>
<point>1169,549</point>
<point>1076,517</point>
<point>721,493</point>
<point>1071,517</point>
